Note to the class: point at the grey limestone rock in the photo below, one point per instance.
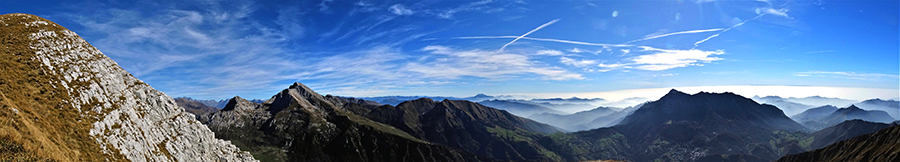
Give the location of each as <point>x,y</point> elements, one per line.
<point>133,119</point>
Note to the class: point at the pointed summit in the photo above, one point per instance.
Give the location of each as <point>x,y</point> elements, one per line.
<point>674,94</point>
<point>238,103</point>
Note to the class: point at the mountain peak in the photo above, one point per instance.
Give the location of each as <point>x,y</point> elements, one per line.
<point>238,103</point>
<point>481,95</point>
<point>674,93</point>
<point>853,107</point>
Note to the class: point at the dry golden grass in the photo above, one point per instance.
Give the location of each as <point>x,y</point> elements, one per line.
<point>45,128</point>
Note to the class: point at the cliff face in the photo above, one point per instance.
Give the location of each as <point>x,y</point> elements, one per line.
<point>67,101</point>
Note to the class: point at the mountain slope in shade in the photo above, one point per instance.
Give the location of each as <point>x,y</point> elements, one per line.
<point>469,126</point>
<point>683,127</point>
<point>720,121</point>
<point>892,107</point>
<point>849,113</point>
<point>298,124</point>
<point>843,131</point>
<point>518,108</point>
<point>61,99</point>
<point>877,146</point>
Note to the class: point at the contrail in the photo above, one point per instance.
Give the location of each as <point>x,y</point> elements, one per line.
<point>723,31</point>
<point>546,40</point>
<point>676,33</point>
<point>526,34</point>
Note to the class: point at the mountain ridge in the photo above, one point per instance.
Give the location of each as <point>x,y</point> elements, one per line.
<point>67,101</point>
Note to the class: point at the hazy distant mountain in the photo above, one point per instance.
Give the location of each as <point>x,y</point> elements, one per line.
<point>572,122</point>
<point>849,113</point>
<point>518,108</point>
<point>814,113</point>
<point>789,108</point>
<point>892,107</point>
<point>195,107</point>
<point>683,127</point>
<point>218,104</point>
<point>877,146</point>
<point>845,130</point>
<point>820,101</point>
<point>298,124</point>
<point>608,120</point>
<point>394,100</point>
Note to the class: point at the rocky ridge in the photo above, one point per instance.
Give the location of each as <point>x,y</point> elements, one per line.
<point>111,115</point>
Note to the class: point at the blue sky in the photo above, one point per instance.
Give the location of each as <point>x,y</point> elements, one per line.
<point>217,49</point>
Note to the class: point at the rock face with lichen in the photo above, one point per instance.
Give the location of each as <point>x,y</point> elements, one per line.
<point>66,101</point>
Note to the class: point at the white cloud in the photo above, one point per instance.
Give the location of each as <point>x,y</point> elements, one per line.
<point>549,52</point>
<point>448,14</point>
<point>848,75</point>
<point>399,9</point>
<point>575,50</point>
<point>668,59</point>
<point>447,63</point>
<point>625,51</point>
<point>611,67</point>
<point>576,63</point>
<point>777,12</point>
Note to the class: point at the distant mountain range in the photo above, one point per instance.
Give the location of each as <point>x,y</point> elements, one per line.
<point>394,100</point>
<point>585,120</point>
<point>213,103</point>
<point>677,127</point>
<point>518,108</point>
<point>817,119</point>
<point>892,107</point>
<point>789,108</point>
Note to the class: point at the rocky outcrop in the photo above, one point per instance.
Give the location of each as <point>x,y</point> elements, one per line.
<point>298,124</point>
<point>70,102</point>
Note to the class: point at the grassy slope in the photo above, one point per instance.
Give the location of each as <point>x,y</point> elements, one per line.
<point>44,128</point>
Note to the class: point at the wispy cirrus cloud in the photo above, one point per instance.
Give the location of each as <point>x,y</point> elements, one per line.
<point>399,9</point>
<point>448,63</point>
<point>577,63</point>
<point>848,75</point>
<point>195,52</point>
<point>448,14</point>
<point>772,11</point>
<point>822,51</point>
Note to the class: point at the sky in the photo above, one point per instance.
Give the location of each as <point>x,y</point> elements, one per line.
<point>211,49</point>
